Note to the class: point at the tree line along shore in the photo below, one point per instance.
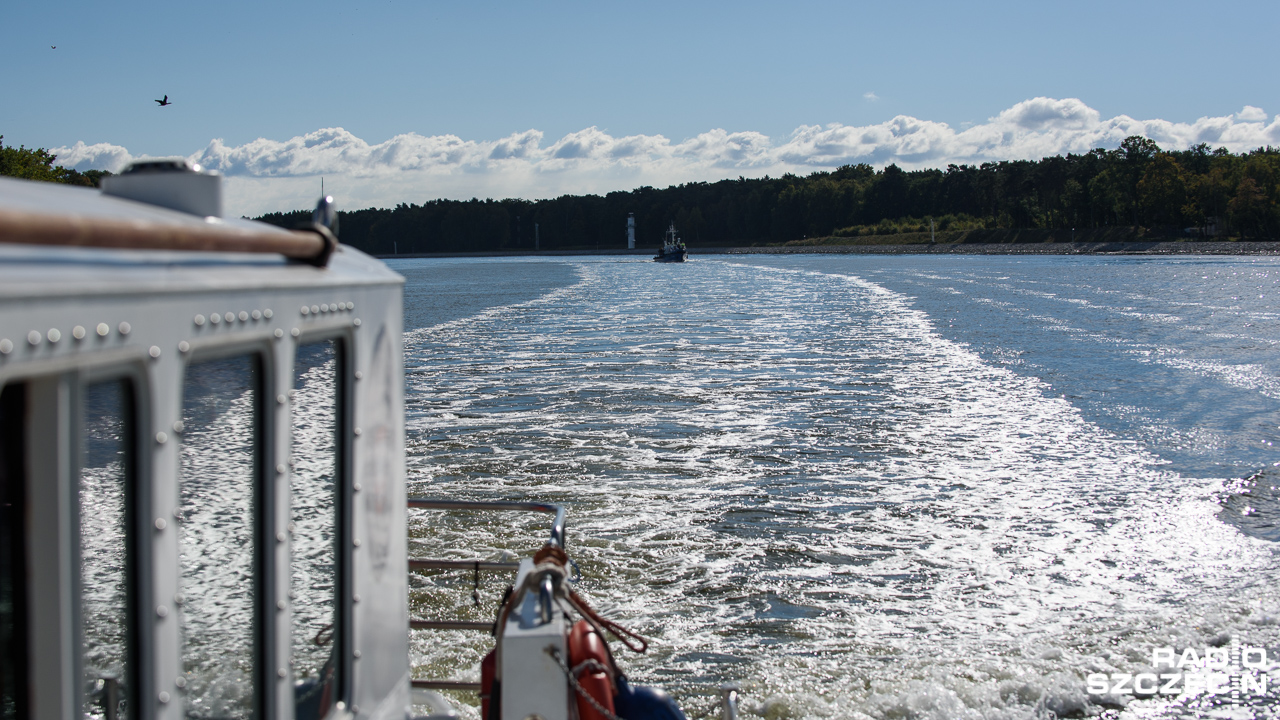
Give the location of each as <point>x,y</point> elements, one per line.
<point>1135,193</point>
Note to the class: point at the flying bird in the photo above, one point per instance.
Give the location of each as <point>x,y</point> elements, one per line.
<point>164,102</point>
<point>55,47</point>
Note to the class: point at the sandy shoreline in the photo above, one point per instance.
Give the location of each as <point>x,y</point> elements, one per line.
<point>1079,248</point>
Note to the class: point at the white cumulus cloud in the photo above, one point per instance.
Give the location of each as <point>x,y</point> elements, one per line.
<point>99,156</point>
<point>1251,114</point>
<point>266,175</point>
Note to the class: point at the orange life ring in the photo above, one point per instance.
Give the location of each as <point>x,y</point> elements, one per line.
<point>586,644</point>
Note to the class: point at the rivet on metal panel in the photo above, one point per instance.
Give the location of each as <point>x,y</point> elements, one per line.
<point>180,682</point>
<point>282,673</point>
<point>357,487</point>
<point>161,524</point>
<point>295,332</point>
<point>281,537</point>
<point>355,598</point>
<point>324,307</point>
<point>103,329</point>
<point>267,313</point>
<point>244,316</point>
<point>356,542</point>
<point>306,310</point>
<point>178,598</point>
<point>282,399</point>
<point>34,337</point>
<point>356,432</point>
<point>355,655</point>
<point>280,605</point>
<point>256,314</point>
<point>229,317</point>
<point>154,351</point>
<point>177,513</point>
<point>178,426</point>
<point>359,375</point>
<point>315,309</point>
<point>215,318</point>
<point>351,306</point>
<point>162,611</point>
<point>161,438</point>
<point>355,709</point>
<point>124,328</point>
<point>281,468</point>
<point>356,322</point>
<point>199,320</point>
<point>6,346</point>
<point>184,346</point>
<point>77,332</point>
<point>54,335</point>
<point>163,697</point>
<point>279,333</point>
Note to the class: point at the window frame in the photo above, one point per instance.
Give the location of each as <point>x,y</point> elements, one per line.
<point>344,502</point>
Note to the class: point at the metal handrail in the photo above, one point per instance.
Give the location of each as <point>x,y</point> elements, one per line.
<point>445,685</point>
<point>557,539</point>
<point>729,702</point>
<point>487,565</point>
<point>107,690</point>
<point>557,525</point>
<point>450,625</point>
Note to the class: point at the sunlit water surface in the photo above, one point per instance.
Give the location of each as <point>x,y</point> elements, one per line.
<point>889,487</point>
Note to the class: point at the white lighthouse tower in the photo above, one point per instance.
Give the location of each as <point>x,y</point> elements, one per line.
<point>631,231</point>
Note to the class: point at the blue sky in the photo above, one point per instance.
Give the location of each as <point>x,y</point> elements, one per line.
<point>403,80</point>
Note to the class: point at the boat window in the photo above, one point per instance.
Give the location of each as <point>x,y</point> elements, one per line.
<point>314,526</point>
<point>13,590</point>
<point>104,549</point>
<point>221,434</point>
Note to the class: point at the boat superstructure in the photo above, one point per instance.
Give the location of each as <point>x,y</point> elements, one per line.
<point>202,481</point>
<point>179,370</point>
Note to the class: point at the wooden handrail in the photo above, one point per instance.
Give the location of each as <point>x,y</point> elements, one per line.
<point>312,245</point>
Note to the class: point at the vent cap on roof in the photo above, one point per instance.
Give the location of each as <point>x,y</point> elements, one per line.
<point>171,183</point>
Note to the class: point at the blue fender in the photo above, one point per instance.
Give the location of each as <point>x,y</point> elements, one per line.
<point>637,702</point>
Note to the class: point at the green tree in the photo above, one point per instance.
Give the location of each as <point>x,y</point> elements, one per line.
<point>1249,208</point>
<point>37,164</point>
<point>33,164</point>
<point>1163,191</point>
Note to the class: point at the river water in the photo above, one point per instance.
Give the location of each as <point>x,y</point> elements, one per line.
<point>868,486</point>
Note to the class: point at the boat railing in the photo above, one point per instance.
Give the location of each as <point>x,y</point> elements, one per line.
<point>728,699</point>
<point>106,691</point>
<point>728,702</point>
<point>557,538</point>
<point>557,526</point>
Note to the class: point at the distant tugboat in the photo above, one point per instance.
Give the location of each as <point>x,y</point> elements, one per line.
<point>673,249</point>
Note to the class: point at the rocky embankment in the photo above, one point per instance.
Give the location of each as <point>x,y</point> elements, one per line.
<point>1055,248</point>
